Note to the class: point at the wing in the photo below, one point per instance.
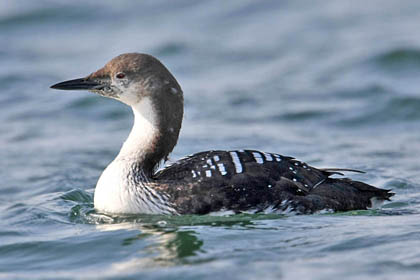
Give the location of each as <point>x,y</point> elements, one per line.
<point>252,180</point>
<point>232,165</point>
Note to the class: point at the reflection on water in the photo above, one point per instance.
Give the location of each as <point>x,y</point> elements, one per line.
<point>171,240</point>
<point>168,242</point>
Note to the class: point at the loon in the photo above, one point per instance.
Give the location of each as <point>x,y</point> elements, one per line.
<point>237,181</point>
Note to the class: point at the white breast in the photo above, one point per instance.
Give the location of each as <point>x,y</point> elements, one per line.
<point>117,192</point>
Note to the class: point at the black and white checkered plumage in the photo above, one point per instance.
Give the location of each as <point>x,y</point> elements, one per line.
<point>207,182</point>
<point>253,181</point>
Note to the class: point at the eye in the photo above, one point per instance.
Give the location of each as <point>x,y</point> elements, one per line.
<point>120,75</point>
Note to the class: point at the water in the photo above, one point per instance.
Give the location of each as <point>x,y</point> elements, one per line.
<point>333,83</point>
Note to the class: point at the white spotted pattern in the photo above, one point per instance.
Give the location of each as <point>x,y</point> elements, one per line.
<point>174,90</point>
<point>236,162</point>
<point>278,158</point>
<point>222,168</point>
<point>208,173</point>
<point>258,157</point>
<point>268,157</point>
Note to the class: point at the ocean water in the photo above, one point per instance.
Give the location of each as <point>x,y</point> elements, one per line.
<point>332,83</point>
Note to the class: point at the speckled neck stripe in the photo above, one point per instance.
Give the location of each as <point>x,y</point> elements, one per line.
<point>154,201</point>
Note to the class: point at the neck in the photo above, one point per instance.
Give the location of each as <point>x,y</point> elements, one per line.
<point>144,136</point>
<point>152,137</point>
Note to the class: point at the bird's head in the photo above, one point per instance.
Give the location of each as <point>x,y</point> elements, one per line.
<point>128,78</point>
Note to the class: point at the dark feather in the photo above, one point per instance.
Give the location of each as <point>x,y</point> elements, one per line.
<point>243,180</point>
<point>332,171</point>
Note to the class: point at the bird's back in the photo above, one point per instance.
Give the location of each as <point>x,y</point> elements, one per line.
<point>243,181</point>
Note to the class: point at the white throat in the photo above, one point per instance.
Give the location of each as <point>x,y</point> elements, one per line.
<point>124,189</point>
<point>144,132</point>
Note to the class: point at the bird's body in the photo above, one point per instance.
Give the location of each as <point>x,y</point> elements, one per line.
<point>206,182</point>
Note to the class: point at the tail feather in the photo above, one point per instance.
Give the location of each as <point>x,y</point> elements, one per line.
<point>338,171</point>
<point>345,194</point>
<point>383,194</point>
